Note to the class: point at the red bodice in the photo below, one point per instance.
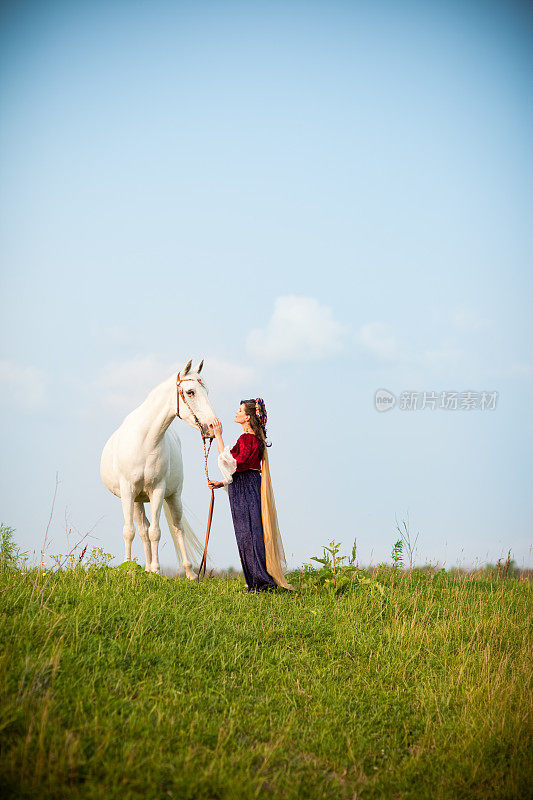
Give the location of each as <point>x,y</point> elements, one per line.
<point>247,452</point>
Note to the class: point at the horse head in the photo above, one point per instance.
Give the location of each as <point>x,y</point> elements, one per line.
<point>192,403</point>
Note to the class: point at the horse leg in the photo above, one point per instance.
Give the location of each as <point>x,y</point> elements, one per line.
<point>175,512</point>
<point>128,530</point>
<point>154,531</point>
<point>142,526</point>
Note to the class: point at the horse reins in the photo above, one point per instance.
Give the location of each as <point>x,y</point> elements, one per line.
<point>179,392</point>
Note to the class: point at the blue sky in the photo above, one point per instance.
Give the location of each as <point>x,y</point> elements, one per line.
<point>320,200</point>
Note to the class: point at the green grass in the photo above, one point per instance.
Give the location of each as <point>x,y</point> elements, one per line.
<point>119,684</point>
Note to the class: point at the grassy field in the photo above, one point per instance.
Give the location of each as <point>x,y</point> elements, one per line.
<point>119,684</point>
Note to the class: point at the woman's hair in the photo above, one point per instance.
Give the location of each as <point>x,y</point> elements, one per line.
<point>257,424</point>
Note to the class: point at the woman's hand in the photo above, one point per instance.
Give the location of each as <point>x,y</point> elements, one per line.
<point>215,484</point>
<point>216,427</point>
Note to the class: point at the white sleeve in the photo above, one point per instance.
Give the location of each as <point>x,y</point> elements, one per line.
<point>227,465</point>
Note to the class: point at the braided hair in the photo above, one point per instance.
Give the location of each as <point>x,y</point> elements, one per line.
<point>257,412</point>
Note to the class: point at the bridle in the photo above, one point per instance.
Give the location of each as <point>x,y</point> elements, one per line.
<point>180,392</point>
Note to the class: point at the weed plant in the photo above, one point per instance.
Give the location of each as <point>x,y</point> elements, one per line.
<point>116,683</point>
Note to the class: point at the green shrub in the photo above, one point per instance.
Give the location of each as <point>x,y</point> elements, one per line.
<point>9,552</point>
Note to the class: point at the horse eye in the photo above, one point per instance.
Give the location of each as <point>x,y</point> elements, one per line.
<point>190,392</point>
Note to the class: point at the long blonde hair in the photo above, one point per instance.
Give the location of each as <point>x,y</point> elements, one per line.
<point>276,563</point>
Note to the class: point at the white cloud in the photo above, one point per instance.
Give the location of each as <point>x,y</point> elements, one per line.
<point>123,385</point>
<point>25,386</point>
<point>515,370</point>
<point>114,334</point>
<point>378,339</point>
<point>439,357</point>
<point>518,370</point>
<point>468,319</point>
<point>221,375</point>
<point>300,329</point>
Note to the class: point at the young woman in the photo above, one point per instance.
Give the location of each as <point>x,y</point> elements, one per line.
<point>251,499</point>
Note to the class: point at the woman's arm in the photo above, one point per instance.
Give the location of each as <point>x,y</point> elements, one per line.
<point>226,462</point>
<point>227,465</point>
<point>216,427</point>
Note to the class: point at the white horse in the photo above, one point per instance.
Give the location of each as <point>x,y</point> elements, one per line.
<point>142,462</point>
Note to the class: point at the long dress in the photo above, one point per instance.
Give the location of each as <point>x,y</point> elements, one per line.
<point>240,467</point>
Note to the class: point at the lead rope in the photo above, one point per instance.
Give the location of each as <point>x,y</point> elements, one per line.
<point>206,456</point>
<point>211,507</point>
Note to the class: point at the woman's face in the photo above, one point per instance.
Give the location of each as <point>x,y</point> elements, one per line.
<point>241,416</point>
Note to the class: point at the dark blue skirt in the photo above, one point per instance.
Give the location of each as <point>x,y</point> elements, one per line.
<point>245,501</point>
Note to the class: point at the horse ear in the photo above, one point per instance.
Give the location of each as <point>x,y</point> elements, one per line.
<point>187,368</point>
<point>200,365</point>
